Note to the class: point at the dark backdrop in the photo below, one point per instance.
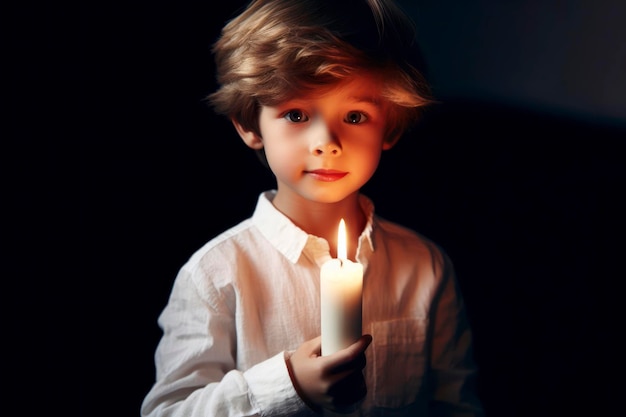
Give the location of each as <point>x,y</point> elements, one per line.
<point>518,173</point>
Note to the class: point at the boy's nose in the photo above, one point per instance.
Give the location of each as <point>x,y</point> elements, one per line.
<point>323,141</point>
<point>328,148</point>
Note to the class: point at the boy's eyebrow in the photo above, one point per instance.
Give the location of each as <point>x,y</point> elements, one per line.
<point>362,99</point>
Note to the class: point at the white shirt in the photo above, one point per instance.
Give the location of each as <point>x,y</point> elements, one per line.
<point>250,296</point>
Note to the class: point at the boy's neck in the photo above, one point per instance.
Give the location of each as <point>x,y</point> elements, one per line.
<point>322,219</point>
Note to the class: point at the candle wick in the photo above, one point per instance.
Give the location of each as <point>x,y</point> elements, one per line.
<point>340,261</point>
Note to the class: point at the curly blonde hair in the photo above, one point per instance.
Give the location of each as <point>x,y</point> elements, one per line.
<point>278,49</point>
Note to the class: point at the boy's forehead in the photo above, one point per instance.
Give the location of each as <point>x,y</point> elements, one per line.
<point>358,87</point>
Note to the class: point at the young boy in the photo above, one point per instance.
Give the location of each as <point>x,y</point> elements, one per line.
<point>320,88</point>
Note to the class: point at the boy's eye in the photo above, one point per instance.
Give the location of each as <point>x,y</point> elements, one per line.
<point>355,117</point>
<point>296,116</point>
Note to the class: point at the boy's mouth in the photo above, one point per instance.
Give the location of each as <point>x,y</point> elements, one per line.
<point>327,175</point>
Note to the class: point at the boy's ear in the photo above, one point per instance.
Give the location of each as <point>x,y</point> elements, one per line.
<point>388,144</point>
<point>248,136</point>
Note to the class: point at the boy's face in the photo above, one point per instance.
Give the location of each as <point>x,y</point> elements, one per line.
<point>326,147</point>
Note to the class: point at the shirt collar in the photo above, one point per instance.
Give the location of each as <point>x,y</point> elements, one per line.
<point>292,241</point>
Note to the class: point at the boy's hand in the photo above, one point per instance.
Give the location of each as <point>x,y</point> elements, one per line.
<point>334,382</point>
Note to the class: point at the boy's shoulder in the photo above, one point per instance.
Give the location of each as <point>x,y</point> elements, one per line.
<point>392,229</point>
<point>226,241</point>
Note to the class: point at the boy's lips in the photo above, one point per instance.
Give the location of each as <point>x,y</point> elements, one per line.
<point>327,175</point>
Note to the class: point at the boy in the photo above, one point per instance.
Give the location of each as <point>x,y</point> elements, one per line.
<point>319,88</point>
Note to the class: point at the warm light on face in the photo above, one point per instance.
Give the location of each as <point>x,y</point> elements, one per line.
<point>341,241</point>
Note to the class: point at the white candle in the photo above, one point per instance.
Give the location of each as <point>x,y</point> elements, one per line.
<point>341,289</point>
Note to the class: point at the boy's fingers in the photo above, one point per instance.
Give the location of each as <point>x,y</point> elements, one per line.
<point>355,349</point>
<point>315,346</point>
<point>350,358</point>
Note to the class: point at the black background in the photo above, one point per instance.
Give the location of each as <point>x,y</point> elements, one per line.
<point>519,174</point>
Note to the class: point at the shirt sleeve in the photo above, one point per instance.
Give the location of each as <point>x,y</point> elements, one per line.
<point>453,370</point>
<point>195,361</point>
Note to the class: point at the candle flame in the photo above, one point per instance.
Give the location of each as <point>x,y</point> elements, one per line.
<point>341,241</point>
